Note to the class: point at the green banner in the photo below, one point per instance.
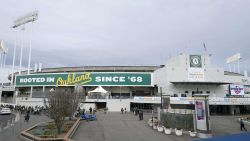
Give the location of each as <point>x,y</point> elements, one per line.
<point>87,79</point>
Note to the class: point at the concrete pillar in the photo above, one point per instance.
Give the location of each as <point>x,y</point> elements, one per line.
<point>202,116</point>
<point>31,91</point>
<point>15,96</point>
<point>43,91</point>
<point>131,94</point>
<point>232,109</point>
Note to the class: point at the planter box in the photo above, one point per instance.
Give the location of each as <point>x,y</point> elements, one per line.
<point>150,124</point>
<point>167,131</point>
<point>192,134</point>
<point>66,137</point>
<point>178,132</point>
<point>160,128</point>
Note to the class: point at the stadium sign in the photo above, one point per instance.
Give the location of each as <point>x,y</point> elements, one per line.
<point>87,79</point>
<point>236,89</point>
<point>195,61</point>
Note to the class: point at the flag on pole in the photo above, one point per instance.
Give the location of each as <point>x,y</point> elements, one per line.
<point>205,48</point>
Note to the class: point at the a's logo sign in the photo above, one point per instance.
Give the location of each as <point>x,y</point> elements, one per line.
<point>195,61</point>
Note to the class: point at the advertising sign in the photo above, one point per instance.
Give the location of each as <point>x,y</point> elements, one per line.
<point>86,78</point>
<point>200,110</point>
<point>141,99</point>
<point>247,89</point>
<point>236,89</point>
<point>195,74</point>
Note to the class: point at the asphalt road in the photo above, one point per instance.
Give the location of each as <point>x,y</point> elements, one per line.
<point>4,119</point>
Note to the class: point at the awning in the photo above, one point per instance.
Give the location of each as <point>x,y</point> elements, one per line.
<point>99,89</point>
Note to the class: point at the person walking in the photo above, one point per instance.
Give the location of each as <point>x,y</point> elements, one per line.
<point>27,116</point>
<point>125,109</point>
<point>90,110</point>
<point>139,113</point>
<point>242,125</point>
<point>122,110</point>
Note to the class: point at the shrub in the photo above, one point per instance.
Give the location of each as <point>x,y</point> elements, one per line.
<point>166,125</point>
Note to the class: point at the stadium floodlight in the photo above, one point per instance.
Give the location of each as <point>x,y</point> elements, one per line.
<point>3,48</point>
<point>232,59</point>
<point>4,51</point>
<point>30,17</point>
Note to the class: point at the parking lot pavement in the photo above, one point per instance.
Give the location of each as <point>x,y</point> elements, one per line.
<point>21,125</point>
<point>4,119</point>
<point>226,125</point>
<point>121,127</point>
<point>124,127</point>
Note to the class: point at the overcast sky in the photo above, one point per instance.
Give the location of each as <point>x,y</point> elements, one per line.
<point>128,32</point>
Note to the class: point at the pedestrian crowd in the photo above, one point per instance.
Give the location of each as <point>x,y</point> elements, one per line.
<point>37,110</point>
<point>138,112</point>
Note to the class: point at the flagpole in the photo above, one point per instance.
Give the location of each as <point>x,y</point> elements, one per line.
<point>205,49</point>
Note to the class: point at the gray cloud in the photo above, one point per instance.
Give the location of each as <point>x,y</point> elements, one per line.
<point>134,32</point>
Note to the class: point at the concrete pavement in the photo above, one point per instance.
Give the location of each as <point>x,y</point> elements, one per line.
<point>121,127</point>
<point>124,127</point>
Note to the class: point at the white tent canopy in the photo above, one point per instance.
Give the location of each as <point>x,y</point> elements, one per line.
<point>99,89</point>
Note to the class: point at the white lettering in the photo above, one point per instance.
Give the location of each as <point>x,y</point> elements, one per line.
<point>98,79</point>
<point>116,79</point>
<point>42,79</point>
<point>122,79</point>
<point>50,79</point>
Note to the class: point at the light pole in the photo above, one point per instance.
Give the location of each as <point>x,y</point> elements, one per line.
<point>4,52</point>
<point>30,17</point>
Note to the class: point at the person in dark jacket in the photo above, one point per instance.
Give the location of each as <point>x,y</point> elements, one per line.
<point>27,116</point>
<point>122,110</point>
<point>242,125</point>
<point>90,110</point>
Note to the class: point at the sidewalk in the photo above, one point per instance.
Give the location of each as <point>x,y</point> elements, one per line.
<point>21,125</point>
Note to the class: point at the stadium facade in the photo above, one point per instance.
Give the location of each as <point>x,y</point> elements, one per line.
<point>144,87</point>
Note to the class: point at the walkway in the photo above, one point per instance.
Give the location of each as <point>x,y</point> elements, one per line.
<point>121,127</point>
<point>124,127</point>
<point>13,132</point>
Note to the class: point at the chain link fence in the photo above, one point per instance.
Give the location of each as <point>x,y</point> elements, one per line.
<point>178,119</point>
